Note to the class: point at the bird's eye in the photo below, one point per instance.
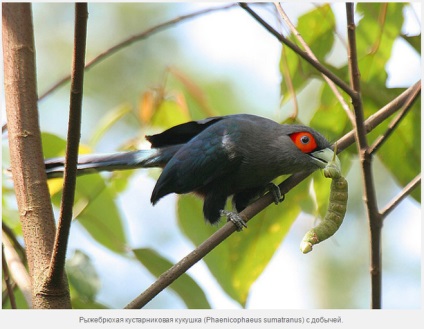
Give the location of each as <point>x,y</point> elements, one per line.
<point>304,141</point>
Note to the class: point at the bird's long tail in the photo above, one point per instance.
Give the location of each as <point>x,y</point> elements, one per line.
<point>91,163</point>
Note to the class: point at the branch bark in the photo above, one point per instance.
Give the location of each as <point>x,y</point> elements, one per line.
<point>365,157</point>
<point>57,266</point>
<point>27,163</point>
<point>402,195</point>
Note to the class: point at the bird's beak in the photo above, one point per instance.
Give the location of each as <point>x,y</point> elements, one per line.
<point>324,156</point>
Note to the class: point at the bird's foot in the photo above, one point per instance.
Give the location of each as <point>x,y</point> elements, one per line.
<point>235,218</point>
<point>276,193</point>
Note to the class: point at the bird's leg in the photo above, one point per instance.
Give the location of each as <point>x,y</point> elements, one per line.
<point>235,218</point>
<point>276,193</point>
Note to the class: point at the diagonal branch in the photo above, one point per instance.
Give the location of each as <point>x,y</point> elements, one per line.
<point>321,68</point>
<point>395,122</point>
<point>308,50</point>
<point>402,195</point>
<point>57,266</point>
<point>225,231</point>
<point>7,280</point>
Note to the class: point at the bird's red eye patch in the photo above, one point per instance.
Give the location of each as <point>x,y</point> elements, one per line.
<point>304,141</point>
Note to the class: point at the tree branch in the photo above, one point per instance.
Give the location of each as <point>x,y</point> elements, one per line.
<point>57,266</point>
<point>225,231</point>
<point>395,122</point>
<point>381,115</point>
<point>7,281</point>
<point>402,195</point>
<point>365,157</point>
<point>26,156</point>
<point>339,82</point>
<point>308,50</point>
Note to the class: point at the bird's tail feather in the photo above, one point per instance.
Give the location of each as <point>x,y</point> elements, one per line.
<point>108,162</point>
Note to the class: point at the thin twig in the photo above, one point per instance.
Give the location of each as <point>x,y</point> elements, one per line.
<point>394,123</point>
<point>309,51</point>
<point>138,37</point>
<point>208,245</point>
<point>321,68</point>
<point>6,278</point>
<point>382,114</point>
<point>57,265</point>
<point>402,195</point>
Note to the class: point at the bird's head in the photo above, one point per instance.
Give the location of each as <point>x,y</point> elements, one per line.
<point>312,150</point>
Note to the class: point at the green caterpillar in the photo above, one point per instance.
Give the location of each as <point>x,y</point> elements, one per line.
<point>336,207</point>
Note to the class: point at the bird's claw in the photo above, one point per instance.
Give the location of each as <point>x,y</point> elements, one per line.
<point>276,193</point>
<point>235,218</point>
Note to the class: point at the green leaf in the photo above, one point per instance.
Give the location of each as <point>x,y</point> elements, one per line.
<point>239,260</point>
<point>95,206</point>
<point>403,148</point>
<point>100,215</point>
<point>169,114</point>
<point>96,211</point>
<point>380,25</point>
<point>82,276</point>
<point>321,194</point>
<point>317,29</point>
<point>118,180</point>
<point>401,153</point>
<point>189,291</point>
<point>108,121</point>
<point>414,41</point>
<point>53,145</point>
<point>330,118</point>
<point>20,300</point>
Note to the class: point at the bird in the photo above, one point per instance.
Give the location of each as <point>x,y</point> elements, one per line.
<point>218,157</point>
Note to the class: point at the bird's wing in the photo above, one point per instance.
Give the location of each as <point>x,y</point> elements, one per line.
<point>182,133</point>
<point>209,157</point>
